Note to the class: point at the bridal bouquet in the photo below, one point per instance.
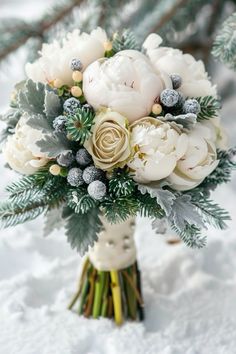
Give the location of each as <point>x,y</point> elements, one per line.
<point>103,130</point>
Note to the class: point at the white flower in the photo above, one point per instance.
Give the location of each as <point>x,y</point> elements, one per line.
<point>218,133</point>
<point>55,58</point>
<point>199,160</point>
<point>126,83</point>
<point>157,148</point>
<point>21,151</point>
<point>195,80</point>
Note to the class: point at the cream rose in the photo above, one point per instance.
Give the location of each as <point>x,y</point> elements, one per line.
<point>109,144</point>
<point>198,162</point>
<point>21,151</point>
<point>126,83</point>
<point>157,147</point>
<point>195,80</point>
<point>55,58</point>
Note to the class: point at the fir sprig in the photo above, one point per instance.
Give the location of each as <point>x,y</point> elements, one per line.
<point>78,125</point>
<point>209,107</point>
<point>80,201</point>
<point>117,209</point>
<point>124,40</point>
<point>224,47</point>
<point>121,183</point>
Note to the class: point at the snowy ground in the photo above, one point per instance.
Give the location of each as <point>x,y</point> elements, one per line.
<point>189,295</point>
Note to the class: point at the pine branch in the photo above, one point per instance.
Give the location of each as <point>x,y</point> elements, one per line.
<point>25,31</point>
<point>209,107</point>
<point>191,236</point>
<point>80,201</point>
<point>117,209</point>
<point>224,47</point>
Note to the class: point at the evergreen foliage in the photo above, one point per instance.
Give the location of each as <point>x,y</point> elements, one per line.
<point>121,183</point>
<point>80,201</point>
<point>124,40</point>
<point>78,125</point>
<point>117,209</point>
<point>209,107</point>
<point>224,47</point>
<point>82,229</point>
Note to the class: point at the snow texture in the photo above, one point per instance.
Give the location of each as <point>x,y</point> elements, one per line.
<point>190,295</point>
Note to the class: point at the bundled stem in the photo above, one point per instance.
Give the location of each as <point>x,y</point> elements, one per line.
<point>115,293</point>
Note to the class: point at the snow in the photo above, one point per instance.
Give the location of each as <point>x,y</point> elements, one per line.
<point>189,295</point>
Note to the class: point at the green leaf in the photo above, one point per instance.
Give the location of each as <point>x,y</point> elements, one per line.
<point>31,97</point>
<point>82,230</point>
<point>209,107</point>
<point>40,122</point>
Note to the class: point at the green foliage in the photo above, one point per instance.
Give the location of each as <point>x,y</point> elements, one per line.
<point>53,220</point>
<point>211,213</point>
<point>209,107</point>
<point>164,197</point>
<point>82,230</point>
<point>117,209</point>
<point>124,40</point>
<point>121,183</point>
<point>80,201</point>
<point>223,172</point>
<point>52,105</point>
<point>224,47</point>
<point>148,206</point>
<point>190,235</point>
<point>11,118</point>
<point>30,197</point>
<point>78,126</point>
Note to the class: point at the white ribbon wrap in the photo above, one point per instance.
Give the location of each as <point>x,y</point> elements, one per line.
<point>115,248</point>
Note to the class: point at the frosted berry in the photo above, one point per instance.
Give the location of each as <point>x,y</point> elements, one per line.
<point>83,157</point>
<point>191,106</point>
<point>92,173</point>
<point>71,105</point>
<point>169,98</point>
<point>76,64</point>
<point>65,159</point>
<point>74,177</point>
<point>59,124</point>
<point>97,190</point>
<point>176,81</point>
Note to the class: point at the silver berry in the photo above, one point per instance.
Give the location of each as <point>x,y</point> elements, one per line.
<point>65,159</point>
<point>91,174</point>
<point>76,64</point>
<point>59,124</point>
<point>74,177</point>
<point>83,157</point>
<point>176,81</point>
<point>71,105</point>
<point>191,106</point>
<point>97,190</point>
<point>169,97</point>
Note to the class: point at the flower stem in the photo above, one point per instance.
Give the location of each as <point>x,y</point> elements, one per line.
<point>116,295</point>
<point>99,288</point>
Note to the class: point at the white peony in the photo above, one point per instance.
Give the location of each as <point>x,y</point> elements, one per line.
<point>157,148</point>
<point>218,133</point>
<point>199,160</point>
<point>21,152</point>
<point>55,58</point>
<point>126,83</point>
<point>195,80</point>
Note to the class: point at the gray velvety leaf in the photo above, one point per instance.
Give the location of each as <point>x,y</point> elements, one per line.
<point>53,145</point>
<point>40,122</point>
<point>160,226</point>
<point>53,221</point>
<point>164,197</point>
<point>183,211</point>
<point>82,230</point>
<point>31,98</point>
<point>52,105</point>
<point>187,120</point>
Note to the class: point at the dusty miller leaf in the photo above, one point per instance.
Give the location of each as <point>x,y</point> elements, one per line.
<point>184,212</point>
<point>164,197</point>
<point>52,105</point>
<point>31,97</point>
<point>53,145</point>
<point>40,122</point>
<point>52,221</point>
